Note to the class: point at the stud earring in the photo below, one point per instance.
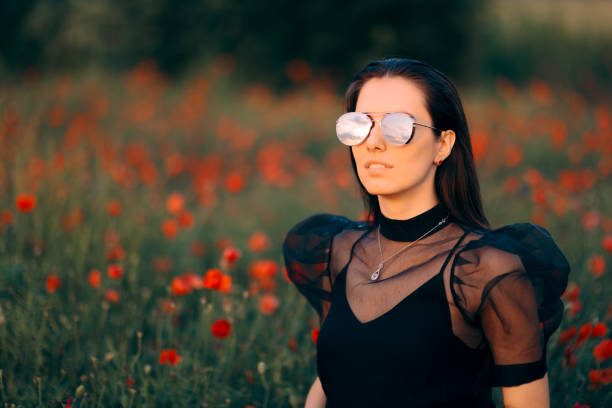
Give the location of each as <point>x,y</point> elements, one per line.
<point>439,162</point>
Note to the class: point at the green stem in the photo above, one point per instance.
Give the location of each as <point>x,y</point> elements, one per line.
<point>145,394</point>
<point>77,347</point>
<point>39,391</point>
<point>100,396</point>
<point>265,404</point>
<point>137,356</point>
<point>2,387</point>
<point>131,399</point>
<point>267,387</point>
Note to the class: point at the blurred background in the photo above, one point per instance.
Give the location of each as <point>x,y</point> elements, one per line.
<point>474,41</point>
<point>154,154</point>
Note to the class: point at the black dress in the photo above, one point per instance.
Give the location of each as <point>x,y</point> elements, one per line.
<point>459,311</point>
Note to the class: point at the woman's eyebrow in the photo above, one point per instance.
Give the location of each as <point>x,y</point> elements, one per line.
<point>409,113</point>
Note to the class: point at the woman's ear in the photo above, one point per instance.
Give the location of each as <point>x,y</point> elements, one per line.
<point>447,141</point>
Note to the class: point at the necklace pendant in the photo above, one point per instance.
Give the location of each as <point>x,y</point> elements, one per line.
<point>376,273</point>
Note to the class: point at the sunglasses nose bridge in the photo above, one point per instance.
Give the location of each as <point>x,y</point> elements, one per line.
<point>375,118</point>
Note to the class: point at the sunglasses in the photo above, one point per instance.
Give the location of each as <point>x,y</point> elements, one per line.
<point>397,128</point>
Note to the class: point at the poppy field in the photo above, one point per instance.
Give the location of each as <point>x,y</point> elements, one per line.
<point>141,223</point>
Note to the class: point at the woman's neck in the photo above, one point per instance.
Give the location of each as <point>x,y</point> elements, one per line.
<point>414,227</point>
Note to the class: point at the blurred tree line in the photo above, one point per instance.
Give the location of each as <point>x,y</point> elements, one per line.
<point>336,38</point>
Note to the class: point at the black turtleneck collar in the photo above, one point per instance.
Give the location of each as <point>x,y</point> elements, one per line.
<point>412,228</point>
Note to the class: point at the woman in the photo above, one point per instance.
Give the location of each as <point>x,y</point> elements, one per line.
<point>423,305</point>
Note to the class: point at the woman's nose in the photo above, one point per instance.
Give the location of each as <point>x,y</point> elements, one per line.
<point>375,138</point>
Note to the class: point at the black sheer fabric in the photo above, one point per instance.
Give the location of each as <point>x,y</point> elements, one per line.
<point>455,313</point>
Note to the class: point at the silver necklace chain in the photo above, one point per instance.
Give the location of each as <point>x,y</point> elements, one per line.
<point>376,273</point>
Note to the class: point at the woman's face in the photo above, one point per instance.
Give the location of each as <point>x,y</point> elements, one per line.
<point>411,167</point>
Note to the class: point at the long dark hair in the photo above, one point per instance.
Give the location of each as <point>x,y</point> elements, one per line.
<point>456,182</point>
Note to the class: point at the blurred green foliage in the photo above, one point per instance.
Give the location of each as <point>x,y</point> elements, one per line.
<point>262,35</point>
<point>462,38</point>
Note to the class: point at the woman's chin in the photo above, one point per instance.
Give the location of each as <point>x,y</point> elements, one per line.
<point>381,190</point>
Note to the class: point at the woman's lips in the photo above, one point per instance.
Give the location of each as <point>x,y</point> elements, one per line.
<point>378,168</point>
<point>376,163</point>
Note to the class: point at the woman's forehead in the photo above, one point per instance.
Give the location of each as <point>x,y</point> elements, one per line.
<point>391,94</point>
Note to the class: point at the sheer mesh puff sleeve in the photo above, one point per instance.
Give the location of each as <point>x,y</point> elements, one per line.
<point>307,252</point>
<point>509,283</point>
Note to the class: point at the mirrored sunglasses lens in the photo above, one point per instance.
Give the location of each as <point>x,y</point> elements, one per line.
<point>397,128</point>
<point>352,128</point>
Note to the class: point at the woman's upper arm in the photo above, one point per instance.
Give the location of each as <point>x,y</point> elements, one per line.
<point>307,252</point>
<point>316,396</point>
<point>509,284</point>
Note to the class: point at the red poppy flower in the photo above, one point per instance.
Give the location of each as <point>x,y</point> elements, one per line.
<point>600,378</point>
<point>95,278</point>
<point>114,208</point>
<point>268,303</point>
<point>234,182</point>
<point>567,335</point>
<point>6,218</point>
<point>175,203</point>
<point>513,156</point>
<point>53,282</point>
<point>111,295</point>
<point>569,358</point>
<point>571,292</point>
<point>314,333</point>
<point>603,350</point>
<point>590,220</point>
<point>249,376</point>
<point>25,202</point>
<point>221,328</point>
<point>180,286</point>
<point>115,271</point>
<point>597,265</point>
<point>169,356</point>
<point>263,268</point>
<point>212,279</point>
<point>170,228</point>
<point>115,254</point>
<point>575,307</point>
<point>599,330</point>
<point>606,243</point>
<point>185,219</point>
<point>168,305</point>
<point>226,284</point>
<point>583,334</point>
<point>258,242</point>
<point>231,255</point>
<point>193,280</point>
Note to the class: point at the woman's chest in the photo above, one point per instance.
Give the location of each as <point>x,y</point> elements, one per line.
<point>415,330</point>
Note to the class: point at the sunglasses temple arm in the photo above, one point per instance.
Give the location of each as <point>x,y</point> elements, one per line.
<point>431,127</point>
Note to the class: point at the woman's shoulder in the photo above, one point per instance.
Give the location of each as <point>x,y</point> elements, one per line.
<point>307,251</point>
<point>323,225</point>
<point>497,264</point>
<point>529,242</point>
<point>310,240</point>
<point>508,282</point>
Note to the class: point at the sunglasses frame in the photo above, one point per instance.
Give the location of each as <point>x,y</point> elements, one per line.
<point>373,116</point>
